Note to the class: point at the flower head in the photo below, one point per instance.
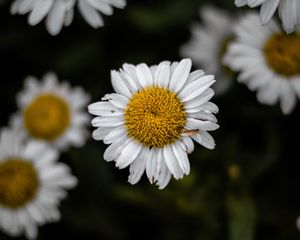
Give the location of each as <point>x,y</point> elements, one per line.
<point>59,13</point>
<point>52,112</point>
<point>152,118</point>
<point>32,184</point>
<point>269,61</point>
<point>289,11</point>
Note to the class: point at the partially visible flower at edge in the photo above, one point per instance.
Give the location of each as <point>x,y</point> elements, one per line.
<point>32,184</point>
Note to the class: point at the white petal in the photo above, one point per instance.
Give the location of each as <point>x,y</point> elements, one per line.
<point>194,76</point>
<point>195,88</point>
<point>152,164</point>
<point>203,116</point>
<point>107,121</point>
<point>101,132</point>
<point>201,125</point>
<point>90,14</point>
<point>56,16</point>
<point>162,75</point>
<point>40,10</point>
<point>104,109</point>
<point>117,100</point>
<point>138,166</point>
<point>267,10</point>
<point>205,139</point>
<point>172,162</point>
<point>144,75</point>
<point>119,85</point>
<point>197,103</point>
<point>114,135</point>
<point>181,157</point>
<point>180,75</point>
<point>114,150</point>
<point>128,154</point>
<point>101,6</point>
<point>187,144</point>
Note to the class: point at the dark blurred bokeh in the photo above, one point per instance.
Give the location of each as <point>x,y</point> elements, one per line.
<point>245,189</point>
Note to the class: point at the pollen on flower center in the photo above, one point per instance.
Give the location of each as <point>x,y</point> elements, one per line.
<point>18,183</point>
<point>282,53</point>
<point>47,117</point>
<point>155,117</point>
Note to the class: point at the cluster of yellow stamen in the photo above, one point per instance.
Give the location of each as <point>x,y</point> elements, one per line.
<point>47,117</point>
<point>155,117</point>
<point>282,53</point>
<point>18,183</point>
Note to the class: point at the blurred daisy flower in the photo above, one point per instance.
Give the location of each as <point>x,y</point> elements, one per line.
<point>52,112</point>
<point>289,11</point>
<point>208,44</point>
<point>32,184</point>
<point>269,61</point>
<point>59,13</point>
<point>153,117</point>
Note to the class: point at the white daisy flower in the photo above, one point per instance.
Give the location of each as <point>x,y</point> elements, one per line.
<point>208,45</point>
<point>52,112</point>
<point>269,61</point>
<point>32,184</point>
<point>153,117</point>
<point>289,11</point>
<point>59,13</point>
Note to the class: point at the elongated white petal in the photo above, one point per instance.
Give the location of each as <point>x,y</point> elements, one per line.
<point>195,88</point>
<point>114,135</point>
<point>205,139</point>
<point>180,75</point>
<point>181,157</point>
<point>117,100</point>
<point>128,154</point>
<point>172,162</point>
<point>202,125</point>
<point>162,75</point>
<point>144,75</point>
<point>119,85</point>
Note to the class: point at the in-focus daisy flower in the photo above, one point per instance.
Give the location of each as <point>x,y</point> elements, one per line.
<point>208,45</point>
<point>32,184</point>
<point>268,61</point>
<point>52,112</point>
<point>59,13</point>
<point>153,117</point>
<point>289,11</point>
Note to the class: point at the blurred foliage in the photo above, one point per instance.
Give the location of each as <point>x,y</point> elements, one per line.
<point>246,189</point>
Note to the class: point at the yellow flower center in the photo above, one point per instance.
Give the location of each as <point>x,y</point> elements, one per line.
<point>155,117</point>
<point>18,183</point>
<point>47,117</point>
<point>282,53</point>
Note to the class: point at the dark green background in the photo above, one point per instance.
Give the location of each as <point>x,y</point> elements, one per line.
<point>262,203</point>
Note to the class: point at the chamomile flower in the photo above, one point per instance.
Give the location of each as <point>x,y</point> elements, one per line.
<point>59,13</point>
<point>289,11</point>
<point>52,112</point>
<point>153,117</point>
<point>208,45</point>
<point>268,61</point>
<point>32,184</point>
